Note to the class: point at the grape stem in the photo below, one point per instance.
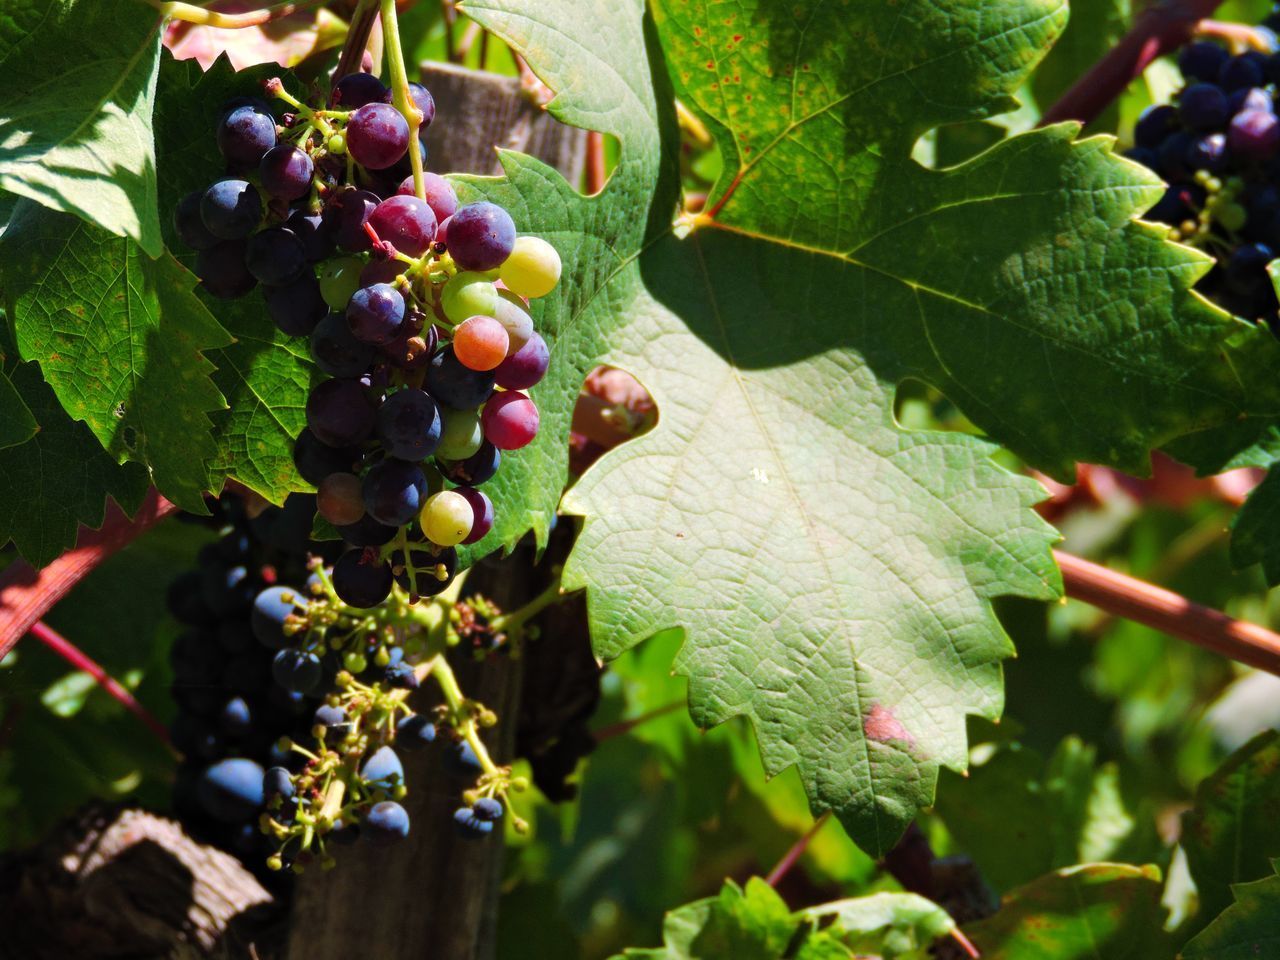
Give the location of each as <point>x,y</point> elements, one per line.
<point>357,40</point>
<point>448,683</point>
<point>190,13</point>
<point>797,850</point>
<point>401,96</point>
<point>515,620</point>
<point>1159,29</point>
<point>626,726</point>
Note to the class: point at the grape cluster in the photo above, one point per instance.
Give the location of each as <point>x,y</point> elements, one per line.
<point>230,715</point>
<point>416,309</point>
<point>1218,148</point>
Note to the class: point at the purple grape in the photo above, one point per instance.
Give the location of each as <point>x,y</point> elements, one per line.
<point>1247,269</point>
<point>297,671</point>
<point>222,271</point>
<point>188,225</point>
<point>526,366</point>
<point>336,351</point>
<point>457,386</point>
<point>381,271</point>
<point>1204,107</point>
<point>245,133</point>
<point>316,460</point>
<point>297,307</point>
<point>275,256</point>
<point>356,89</point>
<point>377,136</point>
<point>409,424</point>
<point>231,209</point>
<point>481,511</point>
<point>474,470</point>
<point>386,823</point>
<point>317,240</point>
<point>346,214</point>
<point>394,491</point>
<point>375,314</point>
<point>361,580</point>
<point>286,172</point>
<point>1254,135</point>
<point>1242,71</point>
<point>1173,156</point>
<point>439,192</point>
<point>407,223</point>
<point>339,413</point>
<point>1172,208</point>
<point>426,103</point>
<point>1154,125</point>
<point>1202,60</point>
<point>481,236</point>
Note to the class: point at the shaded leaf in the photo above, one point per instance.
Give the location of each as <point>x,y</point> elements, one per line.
<point>1246,930</point>
<point>119,337</point>
<point>17,425</point>
<point>80,78</point>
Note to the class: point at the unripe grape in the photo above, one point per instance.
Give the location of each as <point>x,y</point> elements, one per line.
<point>533,269</point>
<point>446,518</point>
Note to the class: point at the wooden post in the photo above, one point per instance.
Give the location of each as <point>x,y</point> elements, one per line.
<point>434,897</point>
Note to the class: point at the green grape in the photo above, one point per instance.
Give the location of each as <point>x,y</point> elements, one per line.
<point>355,663</point>
<point>446,518</point>
<point>511,314</point>
<point>468,295</point>
<point>461,436</point>
<point>533,269</point>
<point>339,280</point>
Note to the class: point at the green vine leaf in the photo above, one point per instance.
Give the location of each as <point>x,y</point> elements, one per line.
<point>1232,831</point>
<point>815,554</point>
<point>59,478</point>
<point>264,375</point>
<point>1105,911</point>
<point>17,423</point>
<point>119,337</point>
<point>1246,930</point>
<point>76,120</point>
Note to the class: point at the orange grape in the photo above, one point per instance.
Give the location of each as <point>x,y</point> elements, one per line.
<point>480,343</point>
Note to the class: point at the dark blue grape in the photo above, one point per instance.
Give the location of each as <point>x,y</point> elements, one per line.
<point>297,670</point>
<point>345,215</point>
<point>1172,208</point>
<point>247,673</point>
<point>1173,157</point>
<point>277,782</point>
<point>235,717</point>
<point>409,424</point>
<point>488,808</point>
<point>367,532</point>
<point>286,172</point>
<point>401,676</point>
<point>1202,60</point>
<point>310,228</point>
<point>1154,125</point>
<point>474,470</point>
<point>245,133</point>
<point>334,720</point>
<point>1242,71</point>
<point>188,225</point>
<point>297,307</point>
<point>222,270</point>
<point>228,591</point>
<point>231,209</point>
<point>270,609</point>
<point>231,790</point>
<point>415,731</point>
<point>375,314</point>
<point>1202,106</point>
<point>339,413</point>
<point>460,760</point>
<point>356,89</point>
<point>393,491</point>
<point>195,737</point>
<point>469,826</point>
<point>184,600</point>
<point>336,351</point>
<point>386,823</point>
<point>275,256</point>
<point>457,386</point>
<point>482,235</point>
<point>360,583</point>
<point>383,769</point>
<point>1246,270</point>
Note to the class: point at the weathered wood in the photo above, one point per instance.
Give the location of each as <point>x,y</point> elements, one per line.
<point>119,883</point>
<point>435,895</point>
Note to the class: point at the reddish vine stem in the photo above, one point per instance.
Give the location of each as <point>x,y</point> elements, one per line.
<point>26,594</point>
<point>595,163</point>
<point>1159,29</point>
<point>797,850</point>
<point>357,39</point>
<point>626,726</point>
<point>1170,613</point>
<point>73,655</point>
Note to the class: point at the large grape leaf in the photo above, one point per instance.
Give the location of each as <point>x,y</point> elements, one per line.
<point>264,375</point>
<point>832,572</point>
<point>1246,930</point>
<point>75,122</point>
<point>59,478</point>
<point>1232,833</point>
<point>1099,911</point>
<point>119,337</point>
<point>17,424</point>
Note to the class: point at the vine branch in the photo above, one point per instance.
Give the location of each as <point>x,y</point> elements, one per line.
<point>190,13</point>
<point>1159,29</point>
<point>357,40</point>
<point>797,850</point>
